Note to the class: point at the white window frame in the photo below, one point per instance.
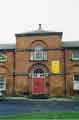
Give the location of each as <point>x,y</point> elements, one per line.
<point>75,83</point>
<point>4,86</point>
<point>75,57</point>
<point>3,58</point>
<point>38,52</point>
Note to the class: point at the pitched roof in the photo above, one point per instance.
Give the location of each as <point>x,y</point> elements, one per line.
<point>7,46</point>
<point>69,44</point>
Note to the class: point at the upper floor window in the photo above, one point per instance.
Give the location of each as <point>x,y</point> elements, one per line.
<point>38,54</point>
<point>75,55</point>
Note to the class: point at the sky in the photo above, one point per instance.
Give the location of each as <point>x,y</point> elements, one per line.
<point>18,16</point>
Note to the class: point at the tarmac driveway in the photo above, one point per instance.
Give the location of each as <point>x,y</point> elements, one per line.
<point>10,107</point>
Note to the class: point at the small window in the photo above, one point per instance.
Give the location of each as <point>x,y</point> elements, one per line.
<point>76,77</point>
<point>2,83</point>
<point>3,58</point>
<point>76,82</point>
<point>75,55</point>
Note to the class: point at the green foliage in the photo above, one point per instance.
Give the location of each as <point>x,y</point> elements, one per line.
<point>44,116</point>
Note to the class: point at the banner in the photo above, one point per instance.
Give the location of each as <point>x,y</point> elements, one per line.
<point>55,66</point>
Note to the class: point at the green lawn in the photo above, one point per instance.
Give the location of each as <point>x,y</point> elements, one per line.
<point>44,116</point>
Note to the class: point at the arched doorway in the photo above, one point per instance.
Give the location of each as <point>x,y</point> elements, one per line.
<point>39,79</point>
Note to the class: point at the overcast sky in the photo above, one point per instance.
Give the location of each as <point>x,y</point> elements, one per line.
<point>24,15</point>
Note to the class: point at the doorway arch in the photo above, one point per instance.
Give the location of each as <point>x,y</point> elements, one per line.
<point>38,72</point>
<point>39,79</point>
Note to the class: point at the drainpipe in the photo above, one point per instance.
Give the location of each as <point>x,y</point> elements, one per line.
<point>13,91</point>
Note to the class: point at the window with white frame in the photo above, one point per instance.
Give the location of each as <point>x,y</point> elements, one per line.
<point>38,54</point>
<point>75,55</point>
<point>2,83</point>
<point>3,58</point>
<point>76,77</point>
<point>76,82</point>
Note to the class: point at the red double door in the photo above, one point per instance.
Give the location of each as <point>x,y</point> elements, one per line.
<point>38,85</point>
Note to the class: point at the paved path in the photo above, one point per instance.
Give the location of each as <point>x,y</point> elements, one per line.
<point>10,107</point>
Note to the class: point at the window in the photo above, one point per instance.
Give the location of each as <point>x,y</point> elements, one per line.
<point>3,58</point>
<point>75,55</point>
<point>76,82</point>
<point>38,72</point>
<point>38,54</point>
<point>76,77</point>
<point>2,83</point>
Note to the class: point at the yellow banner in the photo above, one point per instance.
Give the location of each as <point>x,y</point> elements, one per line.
<point>55,66</point>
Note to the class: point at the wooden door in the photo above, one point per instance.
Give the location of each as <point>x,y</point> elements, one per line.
<point>38,85</point>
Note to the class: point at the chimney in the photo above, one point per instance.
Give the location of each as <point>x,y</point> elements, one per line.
<point>40,26</point>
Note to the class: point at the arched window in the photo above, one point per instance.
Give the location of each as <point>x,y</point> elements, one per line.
<point>39,53</point>
<point>38,72</point>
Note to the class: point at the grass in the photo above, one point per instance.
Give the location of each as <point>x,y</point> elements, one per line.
<point>44,116</point>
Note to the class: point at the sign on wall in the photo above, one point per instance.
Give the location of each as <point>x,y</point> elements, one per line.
<point>55,66</point>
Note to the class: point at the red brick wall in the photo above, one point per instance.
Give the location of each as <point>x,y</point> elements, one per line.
<point>7,69</point>
<point>72,67</point>
<point>23,64</point>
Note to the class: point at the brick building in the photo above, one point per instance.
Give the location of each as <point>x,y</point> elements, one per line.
<point>39,63</point>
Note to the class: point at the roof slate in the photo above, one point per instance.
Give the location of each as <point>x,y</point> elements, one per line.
<point>7,46</point>
<point>69,44</point>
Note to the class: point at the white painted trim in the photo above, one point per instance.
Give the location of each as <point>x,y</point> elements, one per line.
<point>75,84</point>
<point>3,60</point>
<point>74,58</point>
<point>4,88</point>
